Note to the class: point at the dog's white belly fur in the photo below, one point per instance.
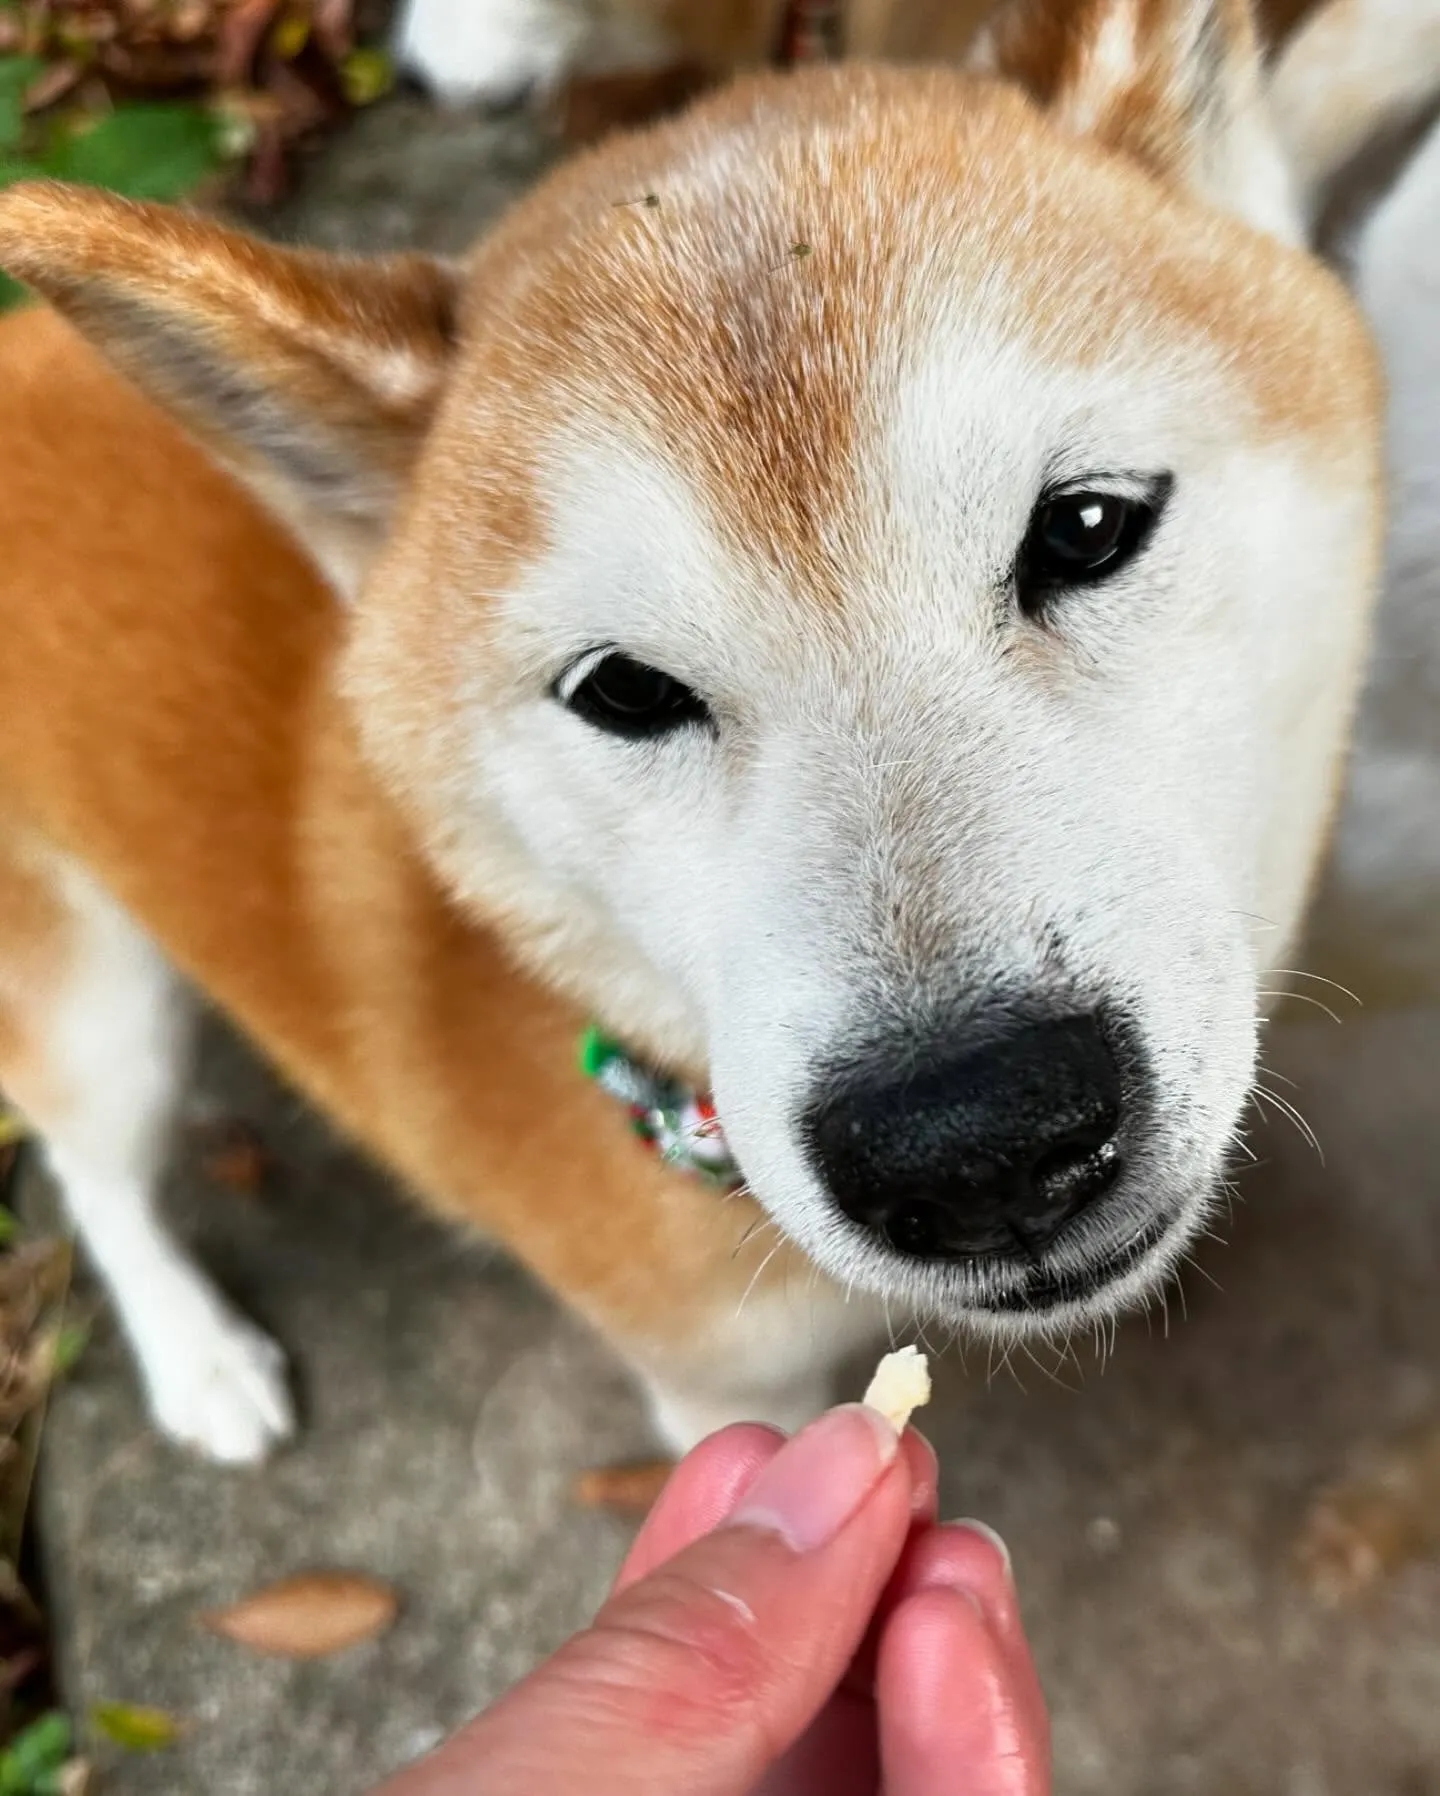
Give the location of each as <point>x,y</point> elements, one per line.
<point>1378,918</point>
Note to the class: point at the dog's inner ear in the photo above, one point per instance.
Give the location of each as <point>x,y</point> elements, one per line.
<point>313,377</point>
<point>1175,84</point>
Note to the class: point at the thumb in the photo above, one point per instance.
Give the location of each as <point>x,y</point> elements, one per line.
<point>700,1675</point>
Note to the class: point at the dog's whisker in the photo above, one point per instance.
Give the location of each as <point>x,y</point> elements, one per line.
<point>756,1276</point>
<point>1262,1093</point>
<point>1319,979</point>
<point>755,1227</point>
<point>1300,998</point>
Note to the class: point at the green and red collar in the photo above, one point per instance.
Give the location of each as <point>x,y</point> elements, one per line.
<point>675,1123</point>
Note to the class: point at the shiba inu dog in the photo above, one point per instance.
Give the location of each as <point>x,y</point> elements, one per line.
<point>860,592</point>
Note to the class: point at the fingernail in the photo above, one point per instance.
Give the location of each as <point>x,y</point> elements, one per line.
<point>987,1533</point>
<point>927,1475</point>
<point>817,1481</point>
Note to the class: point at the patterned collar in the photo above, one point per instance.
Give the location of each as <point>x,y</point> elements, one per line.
<point>674,1122</point>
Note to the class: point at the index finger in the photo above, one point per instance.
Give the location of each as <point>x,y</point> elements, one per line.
<point>710,1481</point>
<point>700,1493</point>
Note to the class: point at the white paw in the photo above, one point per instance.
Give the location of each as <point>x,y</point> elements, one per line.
<point>491,50</point>
<point>219,1387</point>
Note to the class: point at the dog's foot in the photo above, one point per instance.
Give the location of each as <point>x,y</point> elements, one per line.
<point>219,1386</point>
<point>491,51</point>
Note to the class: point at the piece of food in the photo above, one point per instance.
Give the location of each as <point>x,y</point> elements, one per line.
<point>901,1385</point>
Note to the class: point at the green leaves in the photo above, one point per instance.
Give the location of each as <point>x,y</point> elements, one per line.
<point>135,1729</point>
<point>16,74</point>
<point>144,149</point>
<point>71,1340</point>
<point>151,150</point>
<point>34,1762</point>
<point>366,75</point>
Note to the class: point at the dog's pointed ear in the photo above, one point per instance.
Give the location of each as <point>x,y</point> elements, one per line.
<point>313,377</point>
<point>1175,84</point>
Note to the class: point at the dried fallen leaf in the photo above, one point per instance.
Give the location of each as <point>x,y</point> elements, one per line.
<point>238,1160</point>
<point>135,1729</point>
<point>1385,1516</point>
<point>308,1617</point>
<point>17,1667</point>
<point>627,1489</point>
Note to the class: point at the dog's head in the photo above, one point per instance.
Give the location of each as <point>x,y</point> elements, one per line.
<point>864,585</point>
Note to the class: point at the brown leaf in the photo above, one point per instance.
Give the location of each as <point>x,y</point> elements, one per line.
<point>18,1667</point>
<point>242,30</point>
<point>308,1617</point>
<point>238,1160</point>
<point>1366,1529</point>
<point>333,23</point>
<point>626,1489</point>
<point>52,85</point>
<point>267,174</point>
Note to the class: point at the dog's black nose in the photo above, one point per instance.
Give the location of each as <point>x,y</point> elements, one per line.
<point>976,1150</point>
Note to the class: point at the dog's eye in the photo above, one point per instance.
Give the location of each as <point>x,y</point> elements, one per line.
<point>1076,538</point>
<point>615,692</point>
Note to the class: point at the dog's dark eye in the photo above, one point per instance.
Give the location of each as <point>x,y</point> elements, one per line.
<point>1077,538</point>
<point>615,692</point>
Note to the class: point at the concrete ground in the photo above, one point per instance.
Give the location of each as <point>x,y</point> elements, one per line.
<point>1153,1507</point>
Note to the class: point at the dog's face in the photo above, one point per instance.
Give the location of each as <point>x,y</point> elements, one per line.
<point>875,616</point>
<point>901,674</point>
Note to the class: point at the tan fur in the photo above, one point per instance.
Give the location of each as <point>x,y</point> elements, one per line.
<point>732,310</point>
<point>34,925</point>
<point>224,803</point>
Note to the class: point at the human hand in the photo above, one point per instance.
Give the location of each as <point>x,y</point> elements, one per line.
<point>789,1622</point>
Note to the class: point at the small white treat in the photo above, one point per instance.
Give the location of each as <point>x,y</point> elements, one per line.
<point>901,1385</point>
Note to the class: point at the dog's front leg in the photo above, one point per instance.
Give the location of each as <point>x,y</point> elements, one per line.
<point>93,1032</point>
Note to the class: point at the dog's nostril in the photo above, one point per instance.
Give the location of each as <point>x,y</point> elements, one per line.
<point>1075,1176</point>
<point>910,1229</point>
